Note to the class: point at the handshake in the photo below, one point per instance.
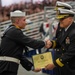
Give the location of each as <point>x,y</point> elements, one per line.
<point>48,43</point>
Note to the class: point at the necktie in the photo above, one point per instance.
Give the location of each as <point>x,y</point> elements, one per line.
<point>63,32</point>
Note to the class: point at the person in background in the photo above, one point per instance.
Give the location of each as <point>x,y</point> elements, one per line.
<point>44,28</point>
<point>12,44</point>
<point>65,43</point>
<point>44,32</point>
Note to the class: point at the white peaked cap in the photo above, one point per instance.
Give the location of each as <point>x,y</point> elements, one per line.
<point>66,5</point>
<point>65,11</point>
<point>17,13</point>
<point>62,13</point>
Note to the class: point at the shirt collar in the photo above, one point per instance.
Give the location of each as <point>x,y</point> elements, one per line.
<point>67,27</point>
<point>16,26</point>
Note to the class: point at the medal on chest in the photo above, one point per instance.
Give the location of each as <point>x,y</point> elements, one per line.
<point>67,40</point>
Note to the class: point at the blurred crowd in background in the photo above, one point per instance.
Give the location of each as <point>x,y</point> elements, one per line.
<point>29,8</point>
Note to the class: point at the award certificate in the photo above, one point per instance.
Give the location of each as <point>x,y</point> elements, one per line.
<point>41,60</point>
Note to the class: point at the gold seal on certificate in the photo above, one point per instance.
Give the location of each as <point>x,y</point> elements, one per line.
<point>41,60</point>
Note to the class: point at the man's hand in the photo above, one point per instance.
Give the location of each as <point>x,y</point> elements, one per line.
<point>37,70</point>
<point>48,43</point>
<point>49,66</point>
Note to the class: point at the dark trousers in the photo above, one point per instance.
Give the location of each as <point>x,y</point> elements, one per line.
<point>8,73</point>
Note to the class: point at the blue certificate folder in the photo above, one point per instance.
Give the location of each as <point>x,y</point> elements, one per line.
<point>55,71</point>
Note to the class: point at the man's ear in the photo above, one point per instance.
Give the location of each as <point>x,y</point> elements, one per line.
<point>17,21</point>
<point>70,19</point>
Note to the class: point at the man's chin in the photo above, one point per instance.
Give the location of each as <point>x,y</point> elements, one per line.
<point>61,26</point>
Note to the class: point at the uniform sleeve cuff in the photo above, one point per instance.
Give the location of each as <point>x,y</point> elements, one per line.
<point>58,63</point>
<point>53,44</point>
